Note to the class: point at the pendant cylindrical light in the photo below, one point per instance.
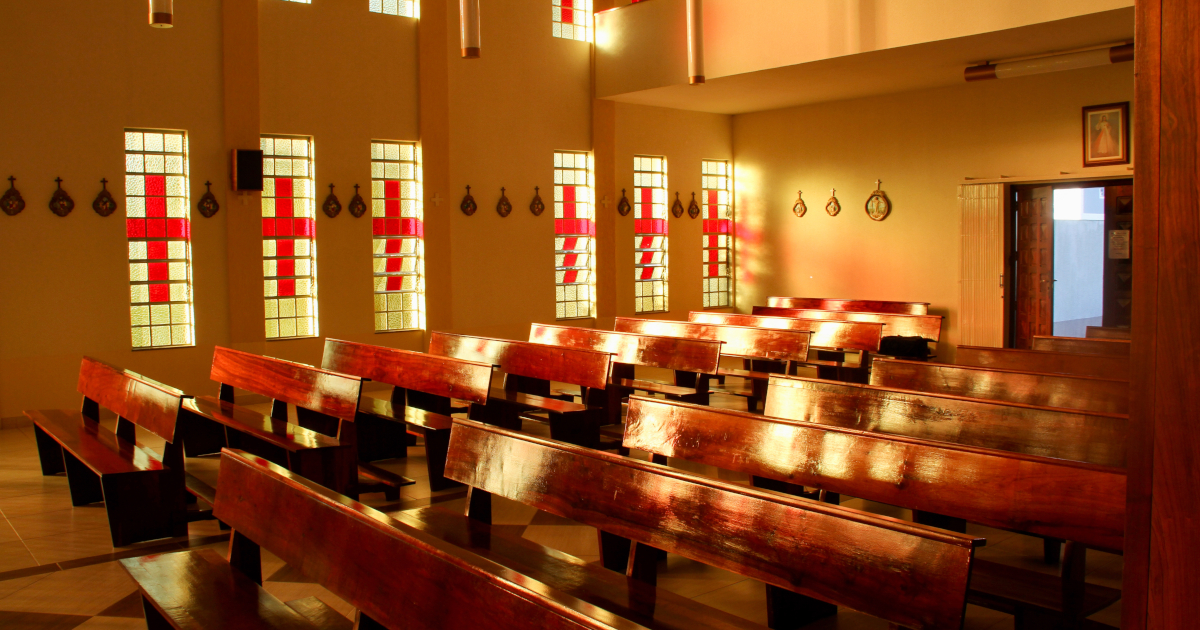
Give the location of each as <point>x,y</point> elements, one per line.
<point>161,13</point>
<point>695,35</point>
<point>1051,63</point>
<point>468,17</point>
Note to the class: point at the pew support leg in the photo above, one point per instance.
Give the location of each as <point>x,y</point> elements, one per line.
<point>200,435</point>
<point>84,484</point>
<point>788,610</point>
<point>643,563</point>
<point>437,443</point>
<point>363,622</point>
<point>581,428</point>
<point>941,522</point>
<point>1052,550</point>
<point>479,505</point>
<point>154,619</point>
<point>246,556</point>
<point>614,551</point>
<point>50,453</point>
<point>144,506</point>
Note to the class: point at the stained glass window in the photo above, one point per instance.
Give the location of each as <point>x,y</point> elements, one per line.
<point>403,8</point>
<point>159,230</point>
<point>300,1</point>
<point>650,233</point>
<point>572,19</point>
<point>398,229</point>
<point>289,237</point>
<point>574,235</point>
<point>718,230</point>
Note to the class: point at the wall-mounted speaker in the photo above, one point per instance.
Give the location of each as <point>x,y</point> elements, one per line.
<point>247,170</point>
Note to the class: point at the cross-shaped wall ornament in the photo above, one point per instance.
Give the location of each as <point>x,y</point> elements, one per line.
<point>437,199</point>
<point>604,202</point>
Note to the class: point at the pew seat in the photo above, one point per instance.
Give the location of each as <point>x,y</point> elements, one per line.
<point>1024,593</point>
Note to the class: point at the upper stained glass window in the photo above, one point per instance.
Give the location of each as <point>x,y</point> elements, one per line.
<point>289,237</point>
<point>718,230</point>
<point>398,230</point>
<point>574,235</point>
<point>159,230</point>
<point>650,234</point>
<point>403,8</point>
<point>572,19</point>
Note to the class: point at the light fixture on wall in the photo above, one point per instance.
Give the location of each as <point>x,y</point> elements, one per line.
<point>161,13</point>
<point>1050,63</point>
<point>468,18</point>
<point>695,35</point>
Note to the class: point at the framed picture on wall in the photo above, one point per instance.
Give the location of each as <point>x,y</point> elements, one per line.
<point>1106,134</point>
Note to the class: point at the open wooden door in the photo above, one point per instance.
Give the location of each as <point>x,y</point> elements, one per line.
<point>1035,265</point>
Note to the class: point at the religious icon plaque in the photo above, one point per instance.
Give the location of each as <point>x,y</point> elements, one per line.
<point>468,205</point>
<point>332,206</point>
<point>693,207</point>
<point>537,206</point>
<point>208,205</point>
<point>878,205</point>
<point>11,202</point>
<point>104,204</point>
<point>623,207</point>
<point>677,207</point>
<point>61,203</point>
<point>833,206</point>
<point>799,208</point>
<point>358,207</point>
<point>504,206</point>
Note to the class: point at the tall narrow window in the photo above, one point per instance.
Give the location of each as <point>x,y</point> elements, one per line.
<point>289,237</point>
<point>574,235</point>
<point>718,230</point>
<point>398,229</point>
<point>159,230</point>
<point>403,8</point>
<point>650,234</point>
<point>572,19</point>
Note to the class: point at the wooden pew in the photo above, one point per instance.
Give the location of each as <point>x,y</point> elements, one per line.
<point>782,347</point>
<point>423,386</point>
<point>820,554</point>
<point>1054,498</point>
<point>1107,332</point>
<point>692,360</point>
<point>1101,395</point>
<point>394,575</point>
<point>322,446</point>
<point>143,493</point>
<point>1043,431</point>
<point>1081,345</point>
<point>1096,366</point>
<point>528,370</point>
<point>918,329</point>
<point>860,306</point>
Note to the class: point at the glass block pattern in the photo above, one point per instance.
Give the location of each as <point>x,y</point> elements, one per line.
<point>402,8</point>
<point>159,230</point>
<point>289,237</point>
<point>398,233</point>
<point>650,234</point>
<point>572,19</point>
<point>718,230</point>
<point>574,235</point>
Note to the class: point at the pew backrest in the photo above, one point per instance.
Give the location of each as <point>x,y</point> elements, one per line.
<point>428,373</point>
<point>1082,345</point>
<point>673,353</point>
<point>739,341</point>
<point>1059,433</point>
<point>927,327</point>
<point>861,306</point>
<point>1036,495</point>
<point>910,575</point>
<point>834,335</point>
<point>1100,395</point>
<point>1107,332</point>
<point>399,576</point>
<point>585,368</point>
<point>140,400</point>
<point>1093,365</point>
<point>331,393</point>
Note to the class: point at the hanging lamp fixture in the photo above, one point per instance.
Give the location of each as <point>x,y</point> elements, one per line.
<point>162,13</point>
<point>468,17</point>
<point>695,41</point>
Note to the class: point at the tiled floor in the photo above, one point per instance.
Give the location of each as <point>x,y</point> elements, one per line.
<point>58,569</point>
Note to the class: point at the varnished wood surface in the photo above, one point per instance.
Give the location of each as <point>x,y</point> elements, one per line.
<point>1100,395</point>
<point>740,341</point>
<point>585,368</point>
<point>1098,366</point>
<point>836,554</point>
<point>833,335</point>
<point>281,433</point>
<point>1082,345</point>
<point>428,373</point>
<point>398,575</point>
<point>1044,431</point>
<point>1037,495</point>
<point>553,405</point>
<point>144,402</point>
<point>98,448</point>
<point>327,392</point>
<point>321,614</point>
<point>656,387</point>
<point>1107,332</point>
<point>927,327</point>
<point>672,353</point>
<point>861,306</point>
<point>410,415</point>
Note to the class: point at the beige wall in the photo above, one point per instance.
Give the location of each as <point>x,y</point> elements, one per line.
<point>922,145</point>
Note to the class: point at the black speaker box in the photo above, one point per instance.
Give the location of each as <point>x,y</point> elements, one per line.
<point>247,170</point>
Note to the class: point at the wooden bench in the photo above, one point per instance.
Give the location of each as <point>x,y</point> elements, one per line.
<point>423,386</point>
<point>861,306</point>
<point>1093,365</point>
<point>528,370</point>
<point>819,555</point>
<point>778,347</point>
<point>143,493</point>
<point>321,446</point>
<point>903,335</point>
<point>394,575</point>
<point>1081,345</point>
<point>1107,332</point>
<point>1100,395</point>
<point>1044,431</point>
<point>1053,498</point>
